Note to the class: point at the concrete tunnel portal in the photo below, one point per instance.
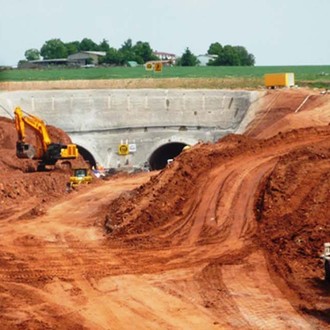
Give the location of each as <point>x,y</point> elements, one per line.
<point>155,123</point>
<point>158,159</point>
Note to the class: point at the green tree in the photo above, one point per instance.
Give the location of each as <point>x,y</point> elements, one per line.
<point>72,47</point>
<point>126,46</point>
<point>113,57</point>
<point>104,46</point>
<point>128,53</point>
<point>143,52</point>
<point>230,55</point>
<point>188,58</point>
<point>215,49</point>
<point>32,54</point>
<point>21,63</point>
<point>251,60</point>
<point>53,48</point>
<point>88,44</point>
<point>245,58</point>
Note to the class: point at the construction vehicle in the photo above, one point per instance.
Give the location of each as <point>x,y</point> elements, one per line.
<point>47,152</point>
<point>80,175</point>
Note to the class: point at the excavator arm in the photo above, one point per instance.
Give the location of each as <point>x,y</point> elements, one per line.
<point>23,149</point>
<point>35,123</point>
<point>19,124</point>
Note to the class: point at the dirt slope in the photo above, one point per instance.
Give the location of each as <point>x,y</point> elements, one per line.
<point>284,110</point>
<point>227,236</point>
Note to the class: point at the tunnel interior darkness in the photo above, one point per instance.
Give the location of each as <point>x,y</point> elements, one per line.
<point>158,159</point>
<point>88,157</point>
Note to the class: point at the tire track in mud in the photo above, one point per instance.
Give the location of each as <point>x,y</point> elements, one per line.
<point>235,223</point>
<point>217,297</point>
<point>44,249</point>
<point>259,302</point>
<point>228,200</point>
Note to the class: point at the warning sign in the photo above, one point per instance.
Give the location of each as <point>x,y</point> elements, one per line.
<point>149,66</point>
<point>123,149</point>
<point>158,67</point>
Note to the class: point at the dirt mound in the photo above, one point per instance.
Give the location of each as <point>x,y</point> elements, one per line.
<point>133,216</point>
<point>294,222</point>
<point>293,207</point>
<point>152,204</point>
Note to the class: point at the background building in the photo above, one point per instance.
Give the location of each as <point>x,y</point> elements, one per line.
<point>165,56</point>
<point>85,58</point>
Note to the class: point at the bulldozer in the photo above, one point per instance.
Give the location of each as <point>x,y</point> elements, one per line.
<point>80,175</point>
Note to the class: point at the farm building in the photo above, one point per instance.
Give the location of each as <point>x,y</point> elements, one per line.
<point>42,63</point>
<point>85,57</point>
<point>165,56</point>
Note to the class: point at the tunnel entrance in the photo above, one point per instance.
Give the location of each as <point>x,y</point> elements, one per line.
<point>88,157</point>
<point>158,159</point>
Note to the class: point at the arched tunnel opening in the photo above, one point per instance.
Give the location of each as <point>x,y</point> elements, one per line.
<point>158,159</point>
<point>88,157</point>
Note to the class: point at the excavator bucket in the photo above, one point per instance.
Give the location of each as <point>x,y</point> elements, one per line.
<point>25,150</point>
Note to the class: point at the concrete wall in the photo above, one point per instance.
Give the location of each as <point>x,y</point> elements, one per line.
<point>99,120</point>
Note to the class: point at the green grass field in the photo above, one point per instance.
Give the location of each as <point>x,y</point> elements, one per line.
<point>312,76</point>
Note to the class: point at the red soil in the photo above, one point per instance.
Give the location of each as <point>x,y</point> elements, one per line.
<point>227,236</point>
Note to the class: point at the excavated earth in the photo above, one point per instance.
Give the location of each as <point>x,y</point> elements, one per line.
<point>228,236</point>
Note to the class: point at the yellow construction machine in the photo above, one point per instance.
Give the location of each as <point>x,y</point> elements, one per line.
<point>47,152</point>
<point>80,175</point>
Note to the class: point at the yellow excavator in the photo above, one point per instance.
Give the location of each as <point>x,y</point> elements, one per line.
<point>48,153</point>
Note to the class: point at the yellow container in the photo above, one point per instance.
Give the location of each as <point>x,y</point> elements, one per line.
<point>273,80</point>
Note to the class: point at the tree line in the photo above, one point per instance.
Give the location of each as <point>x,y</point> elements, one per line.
<point>140,52</point>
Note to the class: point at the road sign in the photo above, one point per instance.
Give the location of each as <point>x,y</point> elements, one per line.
<point>123,149</point>
<point>158,67</point>
<point>149,66</point>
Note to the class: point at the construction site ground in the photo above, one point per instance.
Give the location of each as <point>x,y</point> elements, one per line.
<point>228,236</point>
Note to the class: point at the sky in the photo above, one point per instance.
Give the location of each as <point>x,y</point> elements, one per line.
<point>276,32</point>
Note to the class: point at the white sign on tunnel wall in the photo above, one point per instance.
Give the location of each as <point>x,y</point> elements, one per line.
<point>132,147</point>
